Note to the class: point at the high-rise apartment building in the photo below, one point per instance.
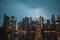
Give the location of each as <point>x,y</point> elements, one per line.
<point>6,25</point>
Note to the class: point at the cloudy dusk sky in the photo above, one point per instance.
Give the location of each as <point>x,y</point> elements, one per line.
<point>29,8</point>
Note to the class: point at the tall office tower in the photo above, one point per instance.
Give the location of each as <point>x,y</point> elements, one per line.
<point>20,25</point>
<point>25,23</point>
<point>53,19</point>
<point>32,31</point>
<point>25,26</point>
<point>6,21</point>
<point>53,26</point>
<point>37,35</point>
<point>30,22</point>
<point>48,24</point>
<point>6,25</point>
<point>41,22</point>
<point>48,21</point>
<point>13,26</point>
<point>13,22</point>
<point>30,27</point>
<point>39,29</point>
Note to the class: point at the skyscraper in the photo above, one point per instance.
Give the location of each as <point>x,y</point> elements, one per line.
<point>6,25</point>
<point>48,24</point>
<point>30,20</point>
<point>53,25</point>
<point>25,23</point>
<point>53,19</point>
<point>13,26</point>
<point>6,21</point>
<point>39,29</point>
<point>13,22</point>
<point>41,21</point>
<point>48,21</point>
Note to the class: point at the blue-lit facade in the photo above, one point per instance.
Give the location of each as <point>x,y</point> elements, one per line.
<point>25,22</point>
<point>13,26</point>
<point>13,22</point>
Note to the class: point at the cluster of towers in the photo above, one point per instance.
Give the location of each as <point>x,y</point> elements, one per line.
<point>41,30</point>
<point>9,25</point>
<point>28,29</point>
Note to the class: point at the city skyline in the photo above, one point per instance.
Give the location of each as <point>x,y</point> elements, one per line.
<point>38,19</point>
<point>29,8</point>
<point>29,19</point>
<point>29,29</point>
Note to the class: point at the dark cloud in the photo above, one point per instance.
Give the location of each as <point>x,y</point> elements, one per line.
<point>51,6</point>
<point>34,8</point>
